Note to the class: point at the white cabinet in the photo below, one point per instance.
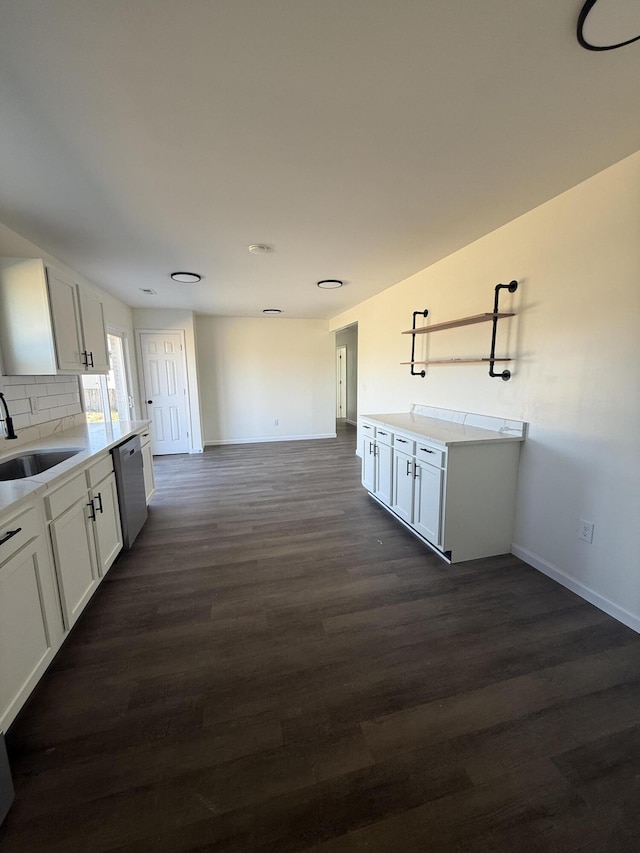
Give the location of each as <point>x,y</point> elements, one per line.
<point>49,324</point>
<point>86,536</point>
<point>377,465</point>
<point>458,498</point>
<point>402,497</point>
<point>30,618</point>
<point>427,501</point>
<point>106,517</point>
<point>72,539</point>
<point>147,466</point>
<point>94,338</point>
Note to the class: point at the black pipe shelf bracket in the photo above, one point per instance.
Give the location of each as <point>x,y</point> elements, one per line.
<point>422,373</point>
<point>492,316</point>
<point>503,374</point>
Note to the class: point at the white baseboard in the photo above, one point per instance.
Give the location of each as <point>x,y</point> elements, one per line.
<point>353,423</point>
<point>218,441</point>
<point>600,601</point>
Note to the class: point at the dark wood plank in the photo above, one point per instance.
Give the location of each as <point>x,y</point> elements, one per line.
<point>278,666</point>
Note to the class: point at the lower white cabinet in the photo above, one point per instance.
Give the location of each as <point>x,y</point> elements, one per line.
<point>402,501</point>
<point>31,627</point>
<point>377,464</point>
<point>427,501</point>
<point>458,498</point>
<point>147,466</point>
<point>74,550</point>
<point>86,536</point>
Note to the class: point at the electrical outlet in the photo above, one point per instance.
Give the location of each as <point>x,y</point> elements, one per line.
<point>275,422</point>
<point>33,402</point>
<point>585,531</point>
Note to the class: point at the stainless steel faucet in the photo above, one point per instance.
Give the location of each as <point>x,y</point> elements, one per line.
<point>8,420</point>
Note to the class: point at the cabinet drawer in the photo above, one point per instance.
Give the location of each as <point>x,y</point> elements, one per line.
<point>384,436</point>
<point>17,531</point>
<point>145,438</point>
<point>99,470</point>
<point>433,455</point>
<point>65,496</point>
<point>404,443</point>
<point>367,429</point>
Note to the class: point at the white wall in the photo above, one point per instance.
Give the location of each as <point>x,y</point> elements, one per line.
<point>256,371</point>
<point>349,338</point>
<point>13,245</point>
<point>176,319</point>
<point>576,376</point>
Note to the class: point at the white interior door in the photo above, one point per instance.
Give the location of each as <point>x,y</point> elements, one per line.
<point>165,386</point>
<point>341,382</point>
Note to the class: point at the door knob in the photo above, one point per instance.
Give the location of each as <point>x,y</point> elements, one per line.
<point>149,402</point>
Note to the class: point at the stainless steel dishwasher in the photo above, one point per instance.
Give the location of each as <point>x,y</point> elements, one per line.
<point>127,462</point>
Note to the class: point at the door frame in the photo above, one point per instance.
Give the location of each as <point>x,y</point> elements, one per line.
<point>142,388</point>
<point>121,332</point>
<point>341,370</point>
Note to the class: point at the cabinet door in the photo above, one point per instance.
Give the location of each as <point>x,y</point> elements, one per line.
<point>384,462</point>
<point>74,555</point>
<point>402,493</point>
<point>94,333</point>
<point>30,625</point>
<point>147,470</point>
<point>368,464</point>
<point>427,508</point>
<point>65,318</point>
<point>108,533</point>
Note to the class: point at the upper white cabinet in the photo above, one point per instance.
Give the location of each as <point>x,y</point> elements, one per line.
<point>49,324</point>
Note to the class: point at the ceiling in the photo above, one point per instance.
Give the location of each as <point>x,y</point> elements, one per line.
<point>362,139</point>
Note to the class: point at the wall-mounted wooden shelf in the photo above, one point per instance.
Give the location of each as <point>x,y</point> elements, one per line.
<point>463,321</point>
<point>457,361</point>
<point>489,316</point>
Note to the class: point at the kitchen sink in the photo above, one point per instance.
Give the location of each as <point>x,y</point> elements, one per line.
<point>30,464</point>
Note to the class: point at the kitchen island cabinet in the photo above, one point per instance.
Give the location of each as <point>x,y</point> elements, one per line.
<point>453,482</point>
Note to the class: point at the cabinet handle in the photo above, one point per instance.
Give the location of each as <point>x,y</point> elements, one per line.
<point>415,471</point>
<point>9,535</point>
<point>85,358</point>
<point>366,426</point>
<point>90,354</point>
<point>92,515</point>
<point>402,440</point>
<point>426,450</point>
<point>408,467</point>
<point>381,433</point>
<point>370,448</point>
<point>98,497</point>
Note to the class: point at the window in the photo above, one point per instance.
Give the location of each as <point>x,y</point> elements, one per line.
<point>107,398</point>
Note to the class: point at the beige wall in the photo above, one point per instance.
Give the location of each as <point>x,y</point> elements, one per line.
<point>256,371</point>
<point>176,319</point>
<point>575,378</point>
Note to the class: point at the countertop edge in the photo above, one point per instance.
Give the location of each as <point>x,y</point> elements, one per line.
<point>94,439</point>
<point>496,437</point>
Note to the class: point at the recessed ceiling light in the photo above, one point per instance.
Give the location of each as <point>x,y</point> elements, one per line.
<point>330,283</point>
<point>272,312</point>
<point>260,248</point>
<point>186,277</point>
<point>147,290</point>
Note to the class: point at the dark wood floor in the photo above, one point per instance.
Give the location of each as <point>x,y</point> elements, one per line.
<point>278,666</point>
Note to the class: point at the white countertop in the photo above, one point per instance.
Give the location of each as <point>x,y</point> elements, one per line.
<point>443,432</point>
<point>89,439</point>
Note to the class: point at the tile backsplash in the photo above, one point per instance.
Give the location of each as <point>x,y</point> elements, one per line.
<point>57,397</point>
